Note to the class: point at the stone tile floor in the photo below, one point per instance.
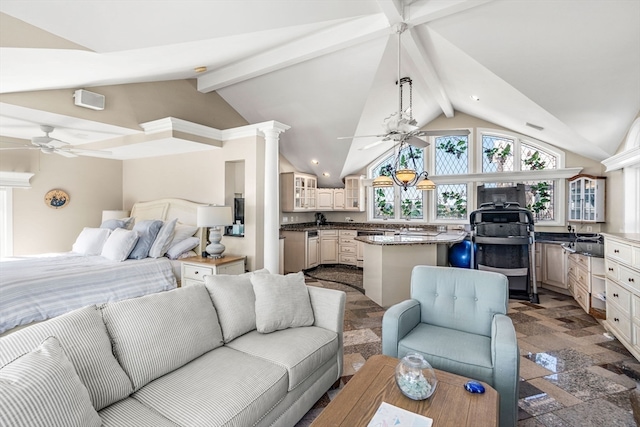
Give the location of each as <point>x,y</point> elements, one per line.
<point>572,373</point>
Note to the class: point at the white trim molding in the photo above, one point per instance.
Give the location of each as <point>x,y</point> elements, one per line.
<point>15,179</point>
<point>533,175</point>
<point>626,159</point>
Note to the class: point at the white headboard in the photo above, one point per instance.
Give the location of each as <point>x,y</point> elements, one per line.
<point>168,209</point>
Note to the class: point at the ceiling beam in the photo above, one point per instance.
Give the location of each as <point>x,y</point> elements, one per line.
<point>332,39</point>
<point>427,74</point>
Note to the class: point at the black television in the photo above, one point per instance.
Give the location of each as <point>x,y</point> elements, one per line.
<point>238,209</point>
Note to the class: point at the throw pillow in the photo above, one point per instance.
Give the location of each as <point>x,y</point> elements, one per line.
<point>183,231</point>
<point>90,241</point>
<point>119,244</point>
<point>112,224</point>
<point>235,302</point>
<point>163,239</point>
<point>41,388</point>
<point>281,302</point>
<point>179,248</point>
<point>147,232</point>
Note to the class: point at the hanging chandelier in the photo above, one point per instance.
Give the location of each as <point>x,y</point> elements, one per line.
<point>403,172</point>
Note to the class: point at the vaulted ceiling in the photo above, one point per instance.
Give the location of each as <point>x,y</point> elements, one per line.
<point>328,68</point>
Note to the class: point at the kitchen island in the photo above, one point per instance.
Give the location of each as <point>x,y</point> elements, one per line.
<point>389,260</point>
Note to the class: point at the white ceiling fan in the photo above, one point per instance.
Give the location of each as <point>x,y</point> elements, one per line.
<point>48,145</point>
<point>400,127</point>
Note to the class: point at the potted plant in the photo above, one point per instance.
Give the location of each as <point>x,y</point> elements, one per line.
<point>451,147</point>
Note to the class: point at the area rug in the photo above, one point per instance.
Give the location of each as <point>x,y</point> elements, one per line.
<point>344,274</point>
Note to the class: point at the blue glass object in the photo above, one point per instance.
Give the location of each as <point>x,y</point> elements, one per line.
<point>474,387</point>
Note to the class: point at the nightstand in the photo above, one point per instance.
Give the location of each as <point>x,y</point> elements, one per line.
<point>194,269</point>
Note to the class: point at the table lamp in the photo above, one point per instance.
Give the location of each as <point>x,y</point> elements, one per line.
<point>214,217</point>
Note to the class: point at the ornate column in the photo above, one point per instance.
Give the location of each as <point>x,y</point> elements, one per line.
<point>271,131</point>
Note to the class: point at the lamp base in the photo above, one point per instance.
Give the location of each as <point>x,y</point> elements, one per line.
<point>215,248</point>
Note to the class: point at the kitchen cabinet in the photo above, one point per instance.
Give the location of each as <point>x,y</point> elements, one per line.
<point>354,193</point>
<point>554,265</point>
<point>348,247</point>
<point>313,251</point>
<point>325,199</point>
<point>338,199</point>
<point>586,198</point>
<point>298,192</point>
<point>586,281</point>
<point>328,246</point>
<point>622,270</point>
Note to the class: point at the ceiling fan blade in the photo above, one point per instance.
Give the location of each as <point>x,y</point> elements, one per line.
<point>81,151</point>
<point>450,132</point>
<point>65,153</point>
<point>23,147</point>
<point>361,136</point>
<point>416,142</point>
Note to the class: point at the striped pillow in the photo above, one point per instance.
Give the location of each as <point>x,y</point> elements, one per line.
<point>41,388</point>
<point>86,343</point>
<point>158,333</point>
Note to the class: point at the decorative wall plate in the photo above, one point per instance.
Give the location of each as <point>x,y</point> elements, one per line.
<point>56,199</point>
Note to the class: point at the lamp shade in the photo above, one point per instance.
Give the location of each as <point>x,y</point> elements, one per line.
<point>214,216</point>
<point>383,181</point>
<point>106,215</point>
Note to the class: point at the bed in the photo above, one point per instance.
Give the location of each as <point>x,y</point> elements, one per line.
<point>37,288</point>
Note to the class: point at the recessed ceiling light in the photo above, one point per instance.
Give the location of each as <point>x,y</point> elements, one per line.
<point>200,69</point>
<point>475,98</point>
<point>314,161</point>
<point>325,174</point>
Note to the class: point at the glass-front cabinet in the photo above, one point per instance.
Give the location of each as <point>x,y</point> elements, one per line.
<point>298,192</point>
<point>586,198</point>
<point>354,193</point>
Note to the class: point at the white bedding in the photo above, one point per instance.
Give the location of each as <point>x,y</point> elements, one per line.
<point>38,288</point>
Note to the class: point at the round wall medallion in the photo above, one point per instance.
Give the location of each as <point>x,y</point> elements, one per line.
<point>56,199</point>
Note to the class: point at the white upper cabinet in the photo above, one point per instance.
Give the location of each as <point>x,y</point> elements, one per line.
<point>298,192</point>
<point>586,198</point>
<point>354,193</point>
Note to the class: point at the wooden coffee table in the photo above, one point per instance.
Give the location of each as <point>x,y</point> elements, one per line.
<point>450,405</point>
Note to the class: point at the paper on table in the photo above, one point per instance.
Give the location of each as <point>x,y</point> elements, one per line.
<point>388,415</point>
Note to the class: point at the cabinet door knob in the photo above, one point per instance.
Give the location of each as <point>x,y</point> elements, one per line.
<point>197,272</point>
<point>631,279</point>
<point>610,269</point>
<point>616,251</point>
<point>615,319</point>
<point>615,295</point>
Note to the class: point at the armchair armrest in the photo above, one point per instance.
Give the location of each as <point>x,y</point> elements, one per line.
<point>397,322</point>
<point>505,356</point>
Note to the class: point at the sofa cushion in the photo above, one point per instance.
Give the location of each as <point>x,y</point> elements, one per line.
<point>41,388</point>
<point>299,350</point>
<point>221,388</point>
<point>157,333</point>
<point>85,341</point>
<point>235,302</point>
<point>130,412</point>
<point>281,302</point>
<point>448,350</point>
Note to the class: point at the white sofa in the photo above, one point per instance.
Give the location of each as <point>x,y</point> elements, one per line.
<point>186,357</point>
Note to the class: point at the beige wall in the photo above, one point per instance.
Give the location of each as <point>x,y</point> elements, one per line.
<point>200,177</point>
<point>93,185</point>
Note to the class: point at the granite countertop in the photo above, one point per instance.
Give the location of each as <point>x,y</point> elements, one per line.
<point>632,237</point>
<point>362,226</point>
<point>414,239</point>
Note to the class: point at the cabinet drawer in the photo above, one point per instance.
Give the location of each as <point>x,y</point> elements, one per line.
<point>347,249</point>
<point>195,272</point>
<point>620,321</point>
<point>581,296</point>
<point>347,241</point>
<point>583,278</point>
<point>629,277</point>
<point>611,269</point>
<point>617,295</point>
<point>348,233</point>
<point>582,260</point>
<point>636,257</point>
<point>619,251</point>
<point>324,233</point>
<point>348,259</point>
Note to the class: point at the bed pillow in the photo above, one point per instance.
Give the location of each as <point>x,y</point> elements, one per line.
<point>90,241</point>
<point>183,231</point>
<point>163,239</point>
<point>43,388</point>
<point>179,248</point>
<point>147,232</point>
<point>281,302</point>
<point>119,244</point>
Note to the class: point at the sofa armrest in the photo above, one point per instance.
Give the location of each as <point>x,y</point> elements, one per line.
<point>328,312</point>
<point>397,322</point>
<point>505,356</point>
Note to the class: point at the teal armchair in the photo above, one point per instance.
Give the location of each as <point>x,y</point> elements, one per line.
<point>457,319</point>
